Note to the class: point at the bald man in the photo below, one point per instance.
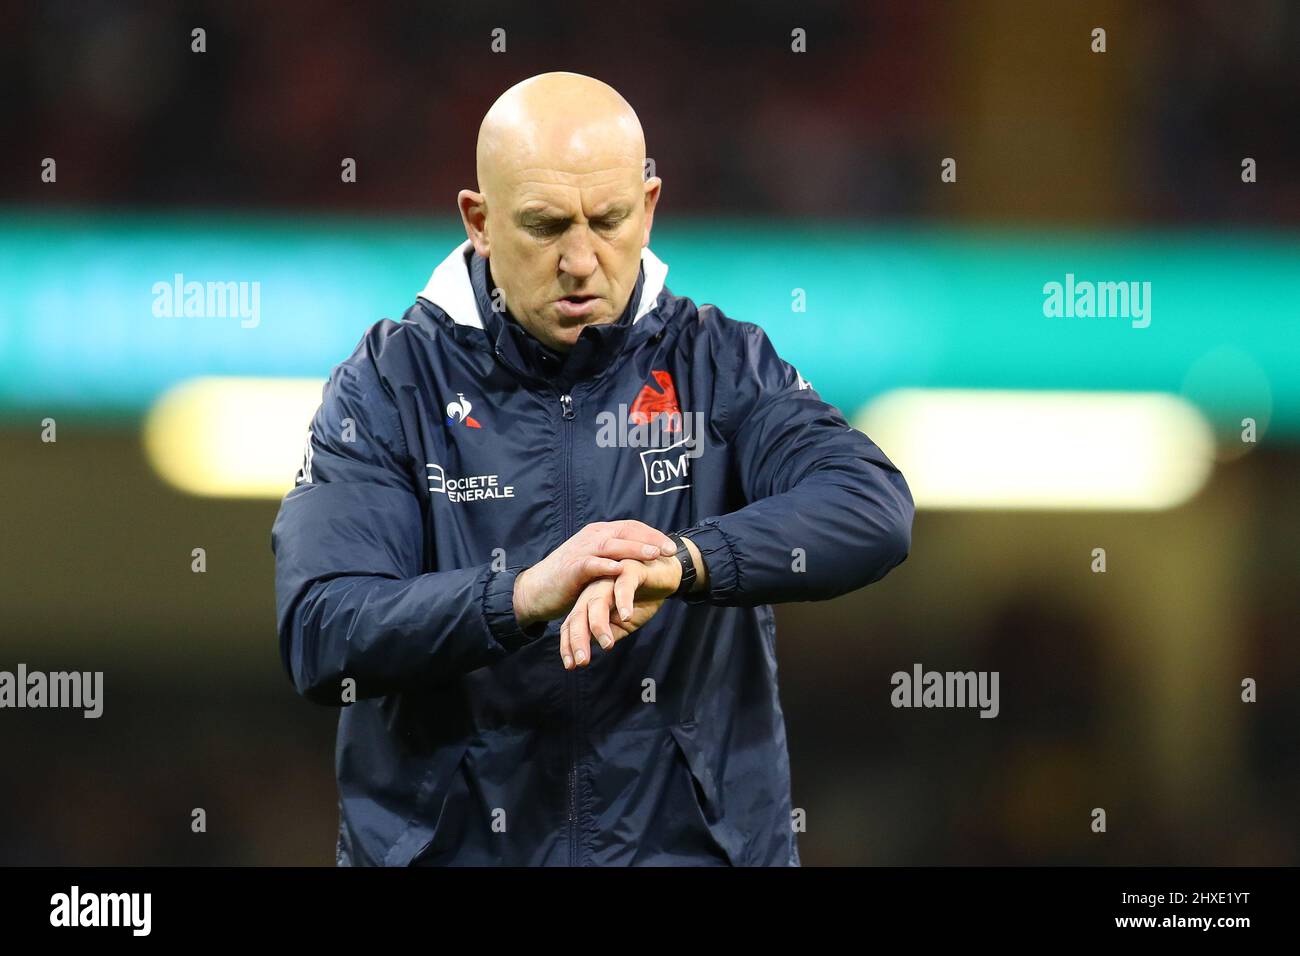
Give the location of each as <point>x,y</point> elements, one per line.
<point>533,545</point>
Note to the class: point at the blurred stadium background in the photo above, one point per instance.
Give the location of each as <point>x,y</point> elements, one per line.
<point>818,172</point>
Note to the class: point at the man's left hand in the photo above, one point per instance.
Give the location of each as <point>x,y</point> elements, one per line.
<point>634,597</point>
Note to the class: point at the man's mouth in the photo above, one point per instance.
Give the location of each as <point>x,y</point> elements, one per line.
<point>577,306</point>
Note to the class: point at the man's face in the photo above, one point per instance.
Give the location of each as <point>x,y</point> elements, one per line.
<point>565,245</point>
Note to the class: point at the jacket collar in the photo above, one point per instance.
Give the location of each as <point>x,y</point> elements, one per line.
<point>450,289</point>
<point>596,348</point>
<point>461,288</point>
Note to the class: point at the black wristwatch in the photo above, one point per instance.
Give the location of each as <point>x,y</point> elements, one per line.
<point>688,566</point>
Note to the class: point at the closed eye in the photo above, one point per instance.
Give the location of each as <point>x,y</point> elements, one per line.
<point>548,227</point>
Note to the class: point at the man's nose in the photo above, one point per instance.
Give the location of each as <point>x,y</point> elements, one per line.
<point>578,254</point>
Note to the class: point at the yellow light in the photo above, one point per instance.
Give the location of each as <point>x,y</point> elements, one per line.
<point>1043,450</point>
<point>231,437</point>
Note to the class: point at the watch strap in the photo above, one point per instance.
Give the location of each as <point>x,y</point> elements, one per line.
<point>683,556</point>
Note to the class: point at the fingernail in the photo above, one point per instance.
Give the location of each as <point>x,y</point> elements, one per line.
<point>650,551</point>
<point>668,549</point>
<point>568,661</point>
<point>580,656</point>
<point>606,642</point>
<point>624,613</point>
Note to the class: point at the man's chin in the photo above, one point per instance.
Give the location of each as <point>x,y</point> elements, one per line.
<point>568,328</point>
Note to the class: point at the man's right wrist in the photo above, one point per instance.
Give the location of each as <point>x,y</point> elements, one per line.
<point>499,611</point>
<point>523,613</point>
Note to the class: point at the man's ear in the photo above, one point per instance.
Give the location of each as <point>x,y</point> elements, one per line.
<point>473,213</point>
<point>652,187</point>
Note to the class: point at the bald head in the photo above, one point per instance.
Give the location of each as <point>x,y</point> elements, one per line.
<point>563,207</point>
<point>557,121</point>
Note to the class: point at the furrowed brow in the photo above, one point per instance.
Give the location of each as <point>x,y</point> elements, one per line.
<point>539,217</point>
<point>613,211</point>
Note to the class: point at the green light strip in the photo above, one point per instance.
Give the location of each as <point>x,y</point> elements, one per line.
<point>884,308</point>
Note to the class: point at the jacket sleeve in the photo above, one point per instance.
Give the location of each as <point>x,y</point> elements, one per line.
<point>828,513</point>
<point>351,601</point>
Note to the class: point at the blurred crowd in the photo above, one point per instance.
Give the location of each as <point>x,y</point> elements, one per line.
<point>737,123</point>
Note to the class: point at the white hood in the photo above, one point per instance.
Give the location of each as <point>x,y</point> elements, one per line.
<point>449,287</point>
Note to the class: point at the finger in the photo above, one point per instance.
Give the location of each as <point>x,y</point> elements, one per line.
<point>639,531</point>
<point>594,566</point>
<point>566,648</point>
<point>620,549</point>
<point>598,621</point>
<point>579,637</point>
<point>625,586</point>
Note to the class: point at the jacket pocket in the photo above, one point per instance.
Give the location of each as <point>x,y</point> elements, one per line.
<point>708,797</point>
<point>444,768</point>
<point>500,806</point>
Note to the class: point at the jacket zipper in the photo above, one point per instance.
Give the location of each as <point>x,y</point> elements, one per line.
<point>566,434</point>
<point>566,406</point>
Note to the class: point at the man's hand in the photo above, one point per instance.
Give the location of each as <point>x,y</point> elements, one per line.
<point>549,588</point>
<point>637,594</point>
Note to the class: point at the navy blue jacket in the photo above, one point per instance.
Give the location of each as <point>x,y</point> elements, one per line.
<point>452,450</point>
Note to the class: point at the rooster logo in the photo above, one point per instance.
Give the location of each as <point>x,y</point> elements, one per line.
<point>458,411</point>
<point>650,403</point>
